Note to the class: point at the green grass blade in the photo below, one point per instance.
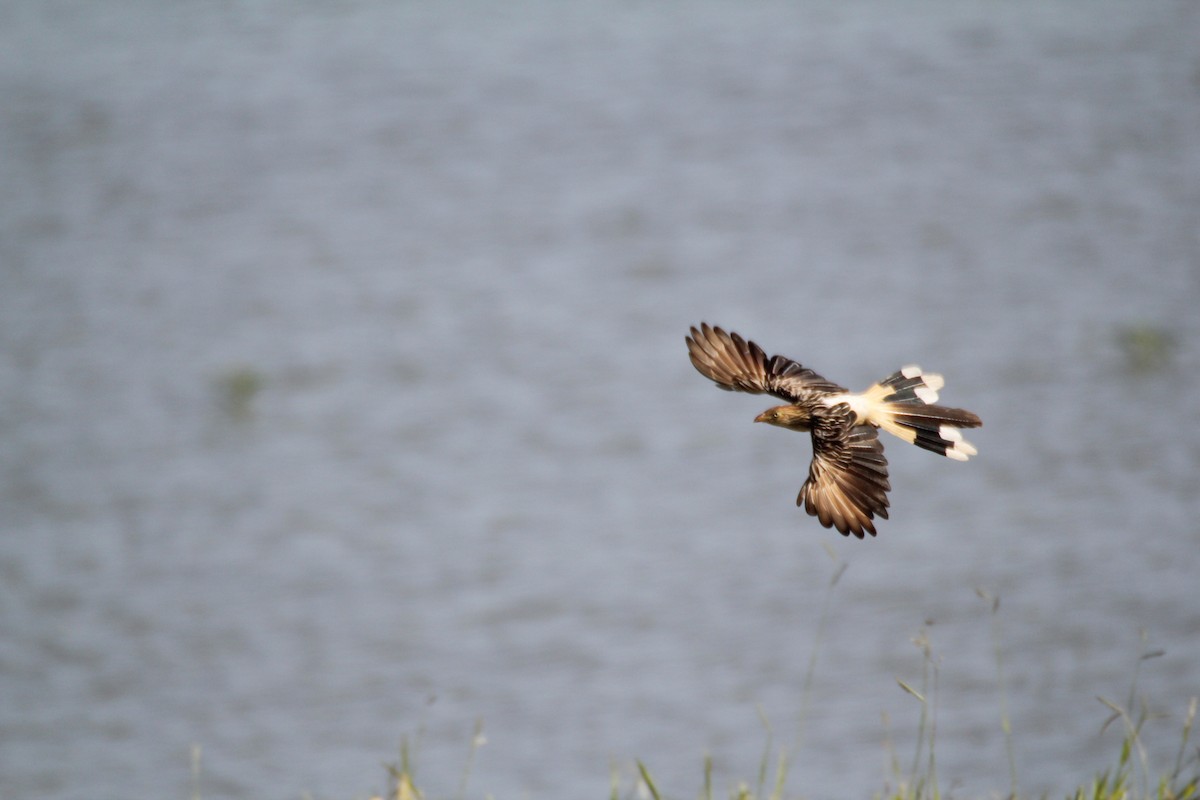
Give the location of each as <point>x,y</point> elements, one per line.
<point>648,780</point>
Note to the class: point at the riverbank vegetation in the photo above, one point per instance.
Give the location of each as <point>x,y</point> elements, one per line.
<point>1132,772</point>
<point>1128,776</point>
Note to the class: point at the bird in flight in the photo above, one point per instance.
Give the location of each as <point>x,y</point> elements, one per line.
<point>847,481</point>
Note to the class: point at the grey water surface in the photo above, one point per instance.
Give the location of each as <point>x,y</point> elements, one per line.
<point>344,399</point>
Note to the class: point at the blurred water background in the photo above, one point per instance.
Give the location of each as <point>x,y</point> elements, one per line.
<point>344,393</point>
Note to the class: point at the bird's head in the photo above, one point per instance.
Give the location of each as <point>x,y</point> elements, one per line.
<point>788,416</point>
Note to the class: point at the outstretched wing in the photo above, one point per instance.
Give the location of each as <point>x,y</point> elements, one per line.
<point>737,365</point>
<point>847,482</point>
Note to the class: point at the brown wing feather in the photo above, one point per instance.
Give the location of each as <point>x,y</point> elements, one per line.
<point>738,365</point>
<point>847,482</point>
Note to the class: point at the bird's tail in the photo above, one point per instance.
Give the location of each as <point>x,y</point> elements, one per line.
<point>904,405</point>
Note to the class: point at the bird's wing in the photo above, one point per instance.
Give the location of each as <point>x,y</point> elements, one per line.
<point>848,480</point>
<point>738,365</point>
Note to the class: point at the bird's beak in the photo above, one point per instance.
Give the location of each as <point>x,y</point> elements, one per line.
<point>761,417</point>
